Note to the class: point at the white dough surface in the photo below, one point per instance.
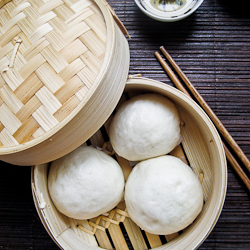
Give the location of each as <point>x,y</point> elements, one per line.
<point>163,195</point>
<point>85,183</point>
<point>145,126</point>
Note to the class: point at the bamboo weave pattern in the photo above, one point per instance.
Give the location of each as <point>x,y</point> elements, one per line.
<point>51,51</point>
<point>103,222</point>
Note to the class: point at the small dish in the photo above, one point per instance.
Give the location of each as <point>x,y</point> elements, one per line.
<point>168,10</point>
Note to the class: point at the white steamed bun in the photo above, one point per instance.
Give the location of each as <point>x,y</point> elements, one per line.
<point>85,183</point>
<point>145,126</point>
<point>163,195</point>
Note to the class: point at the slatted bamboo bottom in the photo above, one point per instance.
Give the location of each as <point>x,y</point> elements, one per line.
<point>118,231</point>
<point>115,229</point>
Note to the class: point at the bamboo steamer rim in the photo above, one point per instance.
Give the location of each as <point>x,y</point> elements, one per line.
<point>3,2</point>
<point>110,22</point>
<point>195,234</point>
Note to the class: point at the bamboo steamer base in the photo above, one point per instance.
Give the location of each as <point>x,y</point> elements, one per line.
<point>201,148</point>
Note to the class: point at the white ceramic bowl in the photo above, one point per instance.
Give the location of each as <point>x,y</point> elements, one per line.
<point>170,16</point>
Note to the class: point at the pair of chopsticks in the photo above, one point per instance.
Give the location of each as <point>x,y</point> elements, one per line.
<point>220,127</point>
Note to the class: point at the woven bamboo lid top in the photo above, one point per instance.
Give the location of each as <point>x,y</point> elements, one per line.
<point>51,52</point>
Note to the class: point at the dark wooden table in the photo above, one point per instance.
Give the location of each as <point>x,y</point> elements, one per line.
<point>212,47</point>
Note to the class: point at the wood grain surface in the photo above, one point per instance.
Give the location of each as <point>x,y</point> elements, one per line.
<point>212,47</point>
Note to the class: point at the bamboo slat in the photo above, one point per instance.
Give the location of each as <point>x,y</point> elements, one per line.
<point>133,231</point>
<point>154,240</point>
<point>171,236</point>
<point>197,153</point>
<point>103,239</point>
<point>8,119</point>
<point>117,237</point>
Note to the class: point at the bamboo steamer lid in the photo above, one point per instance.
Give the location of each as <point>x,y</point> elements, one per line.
<point>201,148</point>
<point>64,65</point>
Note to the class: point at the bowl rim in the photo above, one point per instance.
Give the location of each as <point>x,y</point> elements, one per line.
<point>169,19</point>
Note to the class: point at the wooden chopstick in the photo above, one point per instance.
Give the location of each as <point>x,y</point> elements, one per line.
<point>209,112</point>
<point>171,74</point>
<point>235,147</point>
<point>237,167</point>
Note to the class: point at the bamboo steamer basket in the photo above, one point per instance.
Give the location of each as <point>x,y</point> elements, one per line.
<point>64,65</point>
<point>201,148</point>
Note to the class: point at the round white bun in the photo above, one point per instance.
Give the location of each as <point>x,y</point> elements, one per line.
<point>163,195</point>
<point>145,126</point>
<point>85,183</point>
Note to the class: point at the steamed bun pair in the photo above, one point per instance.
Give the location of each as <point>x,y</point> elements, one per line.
<point>162,193</point>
